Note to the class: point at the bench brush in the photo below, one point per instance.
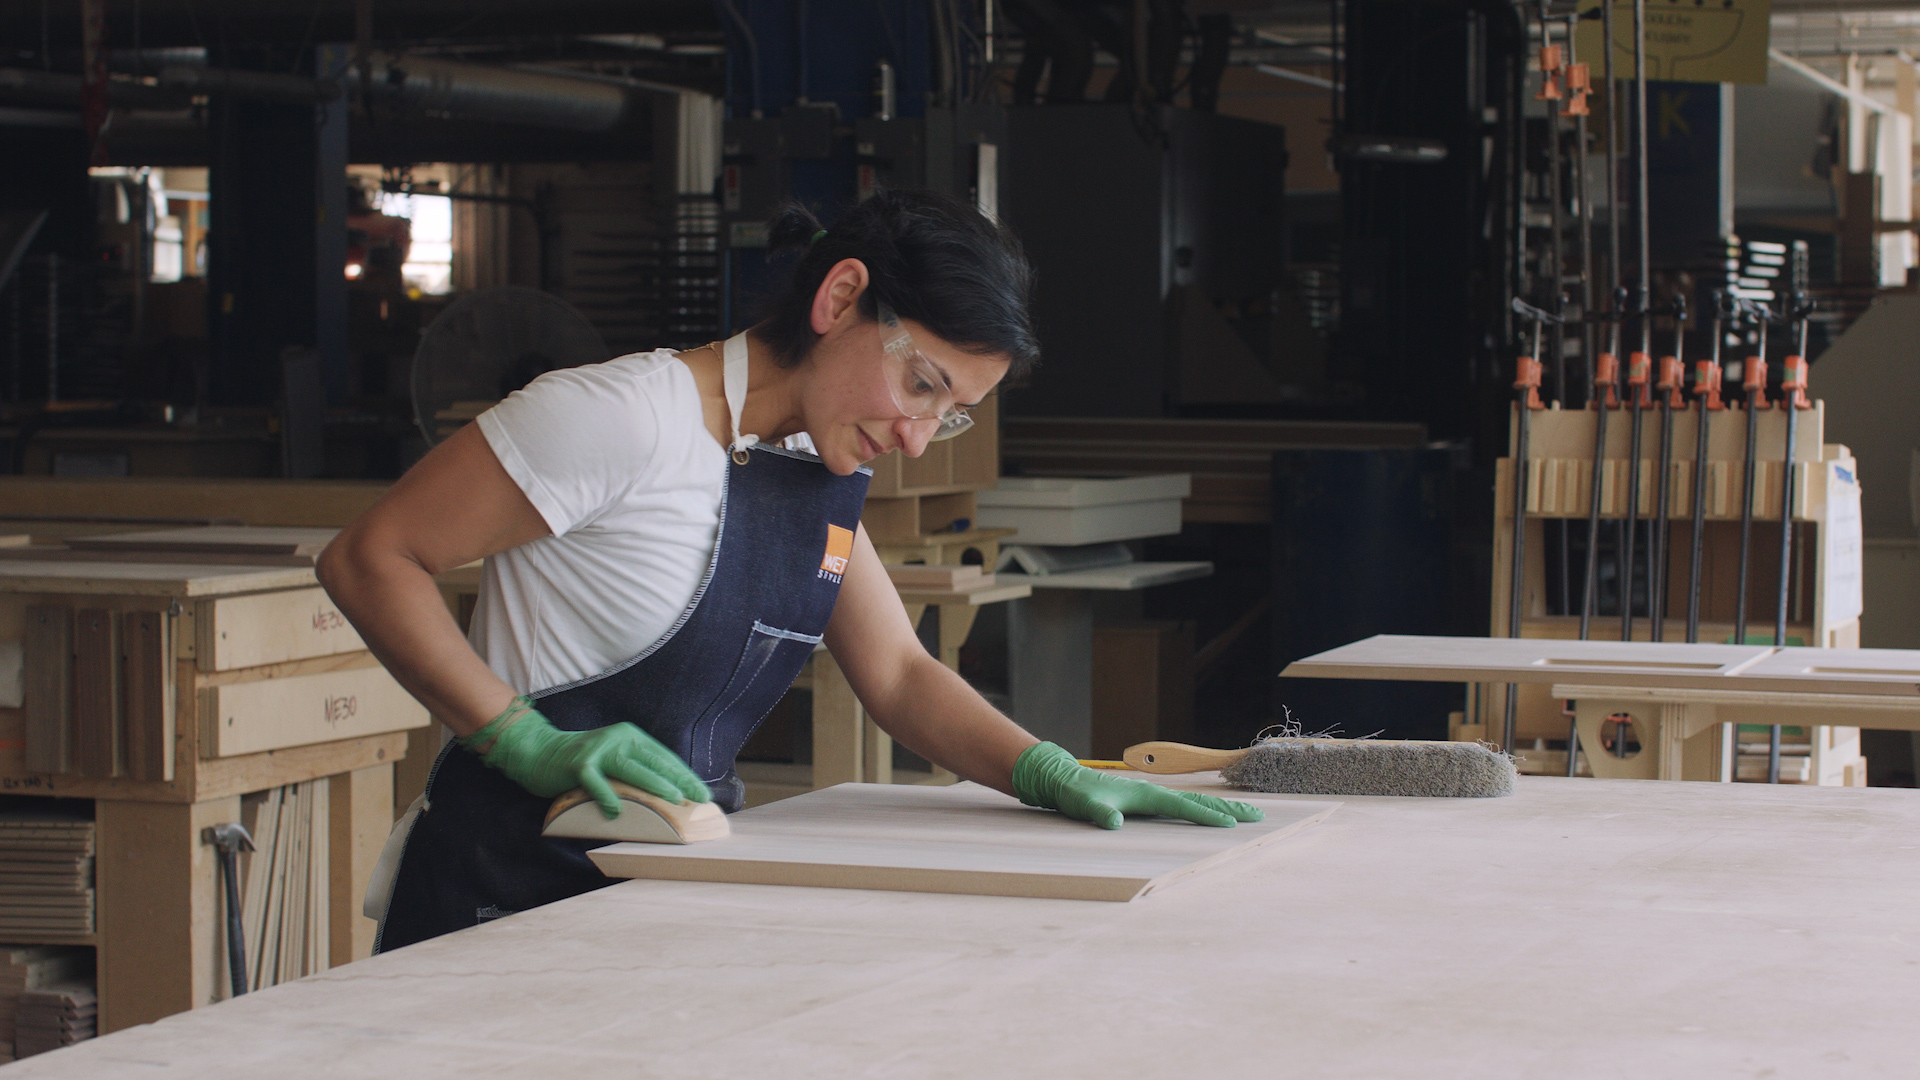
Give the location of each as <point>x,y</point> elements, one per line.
<point>1306,765</point>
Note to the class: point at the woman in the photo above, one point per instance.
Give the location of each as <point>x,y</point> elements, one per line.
<point>659,566</point>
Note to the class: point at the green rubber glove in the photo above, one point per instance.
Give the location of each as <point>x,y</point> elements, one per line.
<point>1045,775</point>
<point>531,752</point>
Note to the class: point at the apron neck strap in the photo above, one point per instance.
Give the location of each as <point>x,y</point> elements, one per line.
<point>733,377</point>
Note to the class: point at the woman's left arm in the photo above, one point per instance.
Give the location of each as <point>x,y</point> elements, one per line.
<point>934,713</point>
<point>912,696</point>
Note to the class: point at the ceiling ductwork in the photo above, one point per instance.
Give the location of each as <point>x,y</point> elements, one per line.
<point>460,91</point>
<point>423,86</point>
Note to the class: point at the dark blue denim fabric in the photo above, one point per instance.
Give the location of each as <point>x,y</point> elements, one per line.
<point>476,852</point>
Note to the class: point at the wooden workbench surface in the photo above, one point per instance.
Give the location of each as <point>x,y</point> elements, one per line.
<point>1582,928</point>
<point>148,578</point>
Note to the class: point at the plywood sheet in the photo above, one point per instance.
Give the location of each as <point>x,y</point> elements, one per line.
<point>1677,665</point>
<point>961,839</point>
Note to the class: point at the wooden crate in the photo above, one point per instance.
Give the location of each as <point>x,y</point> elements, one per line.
<point>1559,480</point>
<point>119,701</point>
<point>165,693</point>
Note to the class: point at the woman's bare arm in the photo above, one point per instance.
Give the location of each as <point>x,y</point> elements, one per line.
<point>457,505</point>
<point>912,696</point>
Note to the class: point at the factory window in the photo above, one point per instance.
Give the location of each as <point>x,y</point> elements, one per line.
<point>429,265</point>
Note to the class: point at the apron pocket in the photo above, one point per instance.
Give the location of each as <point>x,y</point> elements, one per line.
<point>770,656</point>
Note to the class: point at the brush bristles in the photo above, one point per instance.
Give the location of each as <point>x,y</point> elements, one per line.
<point>1364,767</point>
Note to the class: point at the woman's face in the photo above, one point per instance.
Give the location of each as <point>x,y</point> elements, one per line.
<point>849,409</point>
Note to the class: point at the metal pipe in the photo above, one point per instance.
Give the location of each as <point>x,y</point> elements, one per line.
<point>1703,391</point>
<point>492,94</point>
<point>1790,395</point>
<point>1756,399</point>
<point>1525,383</point>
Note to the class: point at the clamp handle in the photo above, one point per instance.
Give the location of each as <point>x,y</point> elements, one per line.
<point>1754,381</point>
<point>1639,372</point>
<point>1526,380</point>
<point>1606,382</point>
<point>1579,85</point>
<point>1706,385</point>
<point>1673,377</point>
<point>1793,384</point>
<point>1550,65</point>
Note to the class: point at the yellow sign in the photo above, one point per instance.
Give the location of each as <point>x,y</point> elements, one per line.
<point>1706,41</point>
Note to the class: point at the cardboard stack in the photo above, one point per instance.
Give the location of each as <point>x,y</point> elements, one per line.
<point>46,877</point>
<point>54,1016</point>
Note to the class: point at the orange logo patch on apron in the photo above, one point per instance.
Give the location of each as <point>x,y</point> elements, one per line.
<point>839,550</point>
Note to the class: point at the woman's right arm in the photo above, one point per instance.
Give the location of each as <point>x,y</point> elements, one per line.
<point>457,505</point>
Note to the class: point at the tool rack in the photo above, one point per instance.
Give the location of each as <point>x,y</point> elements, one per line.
<point>165,692</point>
<point>1824,604</point>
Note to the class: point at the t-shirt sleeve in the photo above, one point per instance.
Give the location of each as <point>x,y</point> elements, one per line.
<point>574,440</point>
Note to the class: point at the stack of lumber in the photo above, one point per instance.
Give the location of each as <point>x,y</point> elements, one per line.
<point>55,1016</point>
<point>283,908</point>
<point>31,967</point>
<point>46,877</point>
<point>1231,461</point>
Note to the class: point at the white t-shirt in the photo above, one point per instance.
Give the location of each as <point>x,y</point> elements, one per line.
<point>618,460</point>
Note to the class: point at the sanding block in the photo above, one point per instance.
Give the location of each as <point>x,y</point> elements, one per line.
<point>644,818</point>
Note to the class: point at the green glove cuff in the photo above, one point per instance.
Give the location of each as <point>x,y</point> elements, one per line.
<point>501,736</point>
<point>1040,772</point>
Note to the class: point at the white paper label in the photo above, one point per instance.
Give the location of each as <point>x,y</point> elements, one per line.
<point>1841,591</point>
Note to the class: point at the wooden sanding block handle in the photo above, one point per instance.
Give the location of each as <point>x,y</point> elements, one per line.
<point>644,817</point>
<point>1173,757</point>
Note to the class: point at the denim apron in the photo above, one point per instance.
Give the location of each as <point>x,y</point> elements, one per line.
<point>474,851</point>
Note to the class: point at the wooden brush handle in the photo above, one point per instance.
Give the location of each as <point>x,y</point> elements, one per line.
<point>1173,757</point>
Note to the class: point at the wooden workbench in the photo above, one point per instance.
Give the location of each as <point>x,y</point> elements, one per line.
<point>1582,928</point>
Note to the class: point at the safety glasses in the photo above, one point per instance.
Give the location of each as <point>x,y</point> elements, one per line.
<point>917,387</point>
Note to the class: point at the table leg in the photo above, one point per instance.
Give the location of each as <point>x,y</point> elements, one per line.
<point>1050,666</point>
<point>360,806</point>
<point>838,720</point>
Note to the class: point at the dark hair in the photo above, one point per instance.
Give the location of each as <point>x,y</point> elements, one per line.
<point>931,257</point>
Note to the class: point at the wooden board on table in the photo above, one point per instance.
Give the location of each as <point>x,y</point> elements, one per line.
<point>960,839</point>
<point>1619,663</point>
<point>305,543</point>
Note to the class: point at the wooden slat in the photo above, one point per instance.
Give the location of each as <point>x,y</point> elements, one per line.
<point>256,772</point>
<point>270,714</point>
<point>96,693</point>
<point>148,701</point>
<point>48,688</point>
<point>269,628</point>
